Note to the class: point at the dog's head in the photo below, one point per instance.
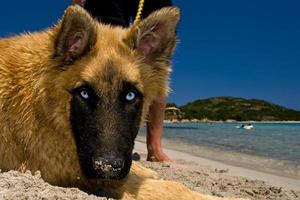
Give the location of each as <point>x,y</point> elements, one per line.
<point>109,76</point>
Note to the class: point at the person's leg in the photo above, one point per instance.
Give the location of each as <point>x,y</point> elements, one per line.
<point>155,130</point>
<point>157,109</point>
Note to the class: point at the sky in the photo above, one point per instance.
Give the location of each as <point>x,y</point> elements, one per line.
<point>248,48</point>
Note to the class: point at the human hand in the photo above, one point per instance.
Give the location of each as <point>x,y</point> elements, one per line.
<point>79,2</point>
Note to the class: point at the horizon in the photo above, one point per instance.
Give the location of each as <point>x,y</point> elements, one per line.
<point>239,49</point>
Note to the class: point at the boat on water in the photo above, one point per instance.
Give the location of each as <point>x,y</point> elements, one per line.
<point>246,127</point>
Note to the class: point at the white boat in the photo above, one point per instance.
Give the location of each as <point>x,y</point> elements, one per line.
<point>246,127</point>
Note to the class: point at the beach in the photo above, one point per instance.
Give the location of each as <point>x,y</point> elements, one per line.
<point>219,179</point>
<point>262,163</point>
<point>197,173</point>
<point>231,170</point>
<point>211,158</point>
<point>271,148</point>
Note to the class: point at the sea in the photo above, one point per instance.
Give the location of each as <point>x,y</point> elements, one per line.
<point>268,147</point>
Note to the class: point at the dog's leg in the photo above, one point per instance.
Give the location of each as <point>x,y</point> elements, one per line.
<point>151,189</point>
<point>141,171</point>
<point>143,184</point>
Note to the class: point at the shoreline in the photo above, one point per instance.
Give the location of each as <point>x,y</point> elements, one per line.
<point>184,121</point>
<point>211,178</point>
<point>275,180</point>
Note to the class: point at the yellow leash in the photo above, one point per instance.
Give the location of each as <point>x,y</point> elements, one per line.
<point>139,12</point>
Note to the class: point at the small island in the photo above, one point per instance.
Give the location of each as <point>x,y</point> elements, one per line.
<point>229,109</point>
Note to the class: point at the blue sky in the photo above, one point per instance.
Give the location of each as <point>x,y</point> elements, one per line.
<point>248,48</point>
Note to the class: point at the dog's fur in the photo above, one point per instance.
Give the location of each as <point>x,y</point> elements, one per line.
<point>45,125</point>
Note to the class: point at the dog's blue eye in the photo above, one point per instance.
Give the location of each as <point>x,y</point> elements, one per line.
<point>84,94</point>
<point>130,96</point>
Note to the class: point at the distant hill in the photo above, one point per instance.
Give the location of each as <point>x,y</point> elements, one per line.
<point>224,108</point>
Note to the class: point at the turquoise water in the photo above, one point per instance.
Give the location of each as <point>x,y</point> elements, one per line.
<point>278,141</point>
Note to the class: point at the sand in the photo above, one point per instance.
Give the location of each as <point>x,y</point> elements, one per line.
<point>279,181</point>
<point>16,185</point>
<point>199,174</point>
<point>218,179</point>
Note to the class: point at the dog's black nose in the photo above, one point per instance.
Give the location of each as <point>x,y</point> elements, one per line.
<point>107,167</point>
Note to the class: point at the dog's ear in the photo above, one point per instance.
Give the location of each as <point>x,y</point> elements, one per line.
<point>74,35</point>
<point>155,36</point>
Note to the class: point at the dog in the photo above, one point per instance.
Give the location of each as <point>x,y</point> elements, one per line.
<point>72,99</point>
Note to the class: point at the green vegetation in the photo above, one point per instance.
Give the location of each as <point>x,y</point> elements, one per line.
<point>239,109</point>
<point>172,105</point>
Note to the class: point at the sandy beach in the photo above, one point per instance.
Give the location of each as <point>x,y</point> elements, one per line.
<point>223,180</point>
<point>199,174</point>
<point>278,181</point>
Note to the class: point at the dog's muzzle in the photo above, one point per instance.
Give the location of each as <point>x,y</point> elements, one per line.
<point>108,168</point>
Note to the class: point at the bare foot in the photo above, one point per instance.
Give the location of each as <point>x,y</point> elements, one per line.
<point>159,156</point>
